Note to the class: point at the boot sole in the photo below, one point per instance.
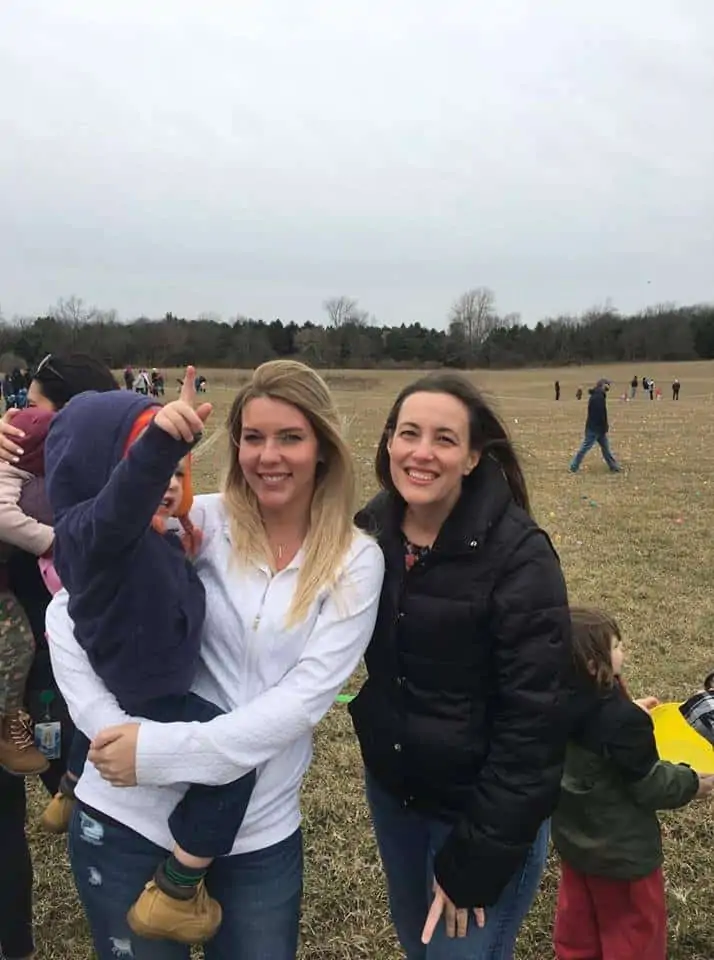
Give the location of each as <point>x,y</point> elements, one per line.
<point>27,773</point>
<point>149,933</point>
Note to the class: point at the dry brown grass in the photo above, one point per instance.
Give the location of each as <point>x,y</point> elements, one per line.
<point>639,544</point>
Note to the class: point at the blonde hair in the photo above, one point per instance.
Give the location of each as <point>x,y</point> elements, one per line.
<point>330,529</point>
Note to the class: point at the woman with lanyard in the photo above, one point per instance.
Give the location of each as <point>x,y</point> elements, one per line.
<point>460,721</point>
<point>292,590</point>
<point>55,381</point>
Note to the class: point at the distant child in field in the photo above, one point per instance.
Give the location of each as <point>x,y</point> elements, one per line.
<point>117,469</point>
<point>611,901</point>
<point>25,522</point>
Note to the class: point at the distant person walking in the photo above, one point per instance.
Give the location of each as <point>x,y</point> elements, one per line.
<point>676,385</point>
<point>596,429</point>
<point>651,388</point>
<point>579,393</point>
<point>557,389</point>
<point>129,378</point>
<point>633,387</point>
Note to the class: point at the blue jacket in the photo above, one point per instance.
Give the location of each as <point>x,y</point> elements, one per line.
<point>136,601</point>
<point>597,412</point>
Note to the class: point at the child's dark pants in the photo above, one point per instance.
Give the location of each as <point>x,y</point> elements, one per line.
<point>205,822</point>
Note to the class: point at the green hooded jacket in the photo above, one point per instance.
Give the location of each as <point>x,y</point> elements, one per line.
<point>614,782</point>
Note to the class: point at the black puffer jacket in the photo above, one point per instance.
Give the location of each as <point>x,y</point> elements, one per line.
<point>463,714</point>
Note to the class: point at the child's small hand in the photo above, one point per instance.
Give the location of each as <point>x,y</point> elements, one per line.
<point>179,418</point>
<point>706,786</point>
<point>647,703</point>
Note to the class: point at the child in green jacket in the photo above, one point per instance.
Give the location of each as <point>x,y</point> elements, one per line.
<point>611,901</point>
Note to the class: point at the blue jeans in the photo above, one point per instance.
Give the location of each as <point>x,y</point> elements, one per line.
<point>260,893</point>
<point>588,443</point>
<point>408,843</point>
<point>206,819</point>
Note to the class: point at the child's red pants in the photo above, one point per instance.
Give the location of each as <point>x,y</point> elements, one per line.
<point>602,919</point>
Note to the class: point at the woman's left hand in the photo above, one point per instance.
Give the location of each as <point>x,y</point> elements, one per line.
<point>456,920</point>
<point>113,753</point>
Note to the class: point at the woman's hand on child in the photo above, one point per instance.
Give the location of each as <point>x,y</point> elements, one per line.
<point>10,437</point>
<point>113,753</point>
<point>647,703</point>
<point>181,419</point>
<point>456,920</point>
<point>706,786</point>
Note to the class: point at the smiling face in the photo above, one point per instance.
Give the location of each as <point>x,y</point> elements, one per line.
<point>278,454</point>
<point>429,451</point>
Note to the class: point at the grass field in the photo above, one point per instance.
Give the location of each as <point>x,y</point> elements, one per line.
<point>638,543</point>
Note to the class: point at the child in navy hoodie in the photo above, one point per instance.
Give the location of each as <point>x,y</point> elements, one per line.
<point>115,470</point>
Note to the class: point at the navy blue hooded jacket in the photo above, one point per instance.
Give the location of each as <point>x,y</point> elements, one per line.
<point>136,601</point>
<point>597,412</point>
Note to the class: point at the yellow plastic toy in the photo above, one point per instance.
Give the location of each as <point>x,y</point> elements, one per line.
<point>678,742</point>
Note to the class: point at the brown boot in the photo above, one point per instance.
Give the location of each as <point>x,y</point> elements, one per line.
<point>57,814</point>
<point>157,916</point>
<point>18,753</point>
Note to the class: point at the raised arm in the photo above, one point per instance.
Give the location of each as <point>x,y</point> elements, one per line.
<point>16,527</point>
<point>114,520</point>
<point>217,752</point>
<point>517,788</point>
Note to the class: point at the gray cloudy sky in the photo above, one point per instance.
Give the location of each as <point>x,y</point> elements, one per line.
<point>259,157</point>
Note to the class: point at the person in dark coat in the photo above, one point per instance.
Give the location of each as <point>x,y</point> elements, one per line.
<point>56,380</point>
<point>557,389</point>
<point>460,721</point>
<point>596,429</point>
<point>676,387</point>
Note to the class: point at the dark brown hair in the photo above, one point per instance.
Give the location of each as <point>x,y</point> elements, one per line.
<point>62,378</point>
<point>592,633</point>
<point>487,434</point>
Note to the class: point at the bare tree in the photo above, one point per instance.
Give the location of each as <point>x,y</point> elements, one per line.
<point>73,312</point>
<point>473,316</point>
<point>341,311</point>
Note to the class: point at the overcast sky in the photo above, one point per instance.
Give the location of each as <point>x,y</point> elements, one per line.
<point>258,157</point>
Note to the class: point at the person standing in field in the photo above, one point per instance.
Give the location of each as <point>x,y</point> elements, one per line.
<point>292,592</point>
<point>633,387</point>
<point>651,388</point>
<point>596,429</point>
<point>611,901</point>
<point>56,380</point>
<point>461,719</point>
<point>676,386</point>
<point>557,389</point>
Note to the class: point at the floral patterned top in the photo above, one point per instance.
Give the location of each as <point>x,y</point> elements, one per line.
<point>413,553</point>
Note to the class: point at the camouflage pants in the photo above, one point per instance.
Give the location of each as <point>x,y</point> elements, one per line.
<point>17,649</point>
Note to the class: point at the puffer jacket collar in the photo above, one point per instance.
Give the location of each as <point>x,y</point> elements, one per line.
<point>484,499</point>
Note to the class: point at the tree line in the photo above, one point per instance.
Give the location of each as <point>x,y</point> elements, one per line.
<point>476,335</point>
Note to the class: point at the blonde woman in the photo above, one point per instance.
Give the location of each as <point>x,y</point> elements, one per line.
<point>292,590</point>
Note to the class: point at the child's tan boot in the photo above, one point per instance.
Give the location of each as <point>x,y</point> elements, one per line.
<point>157,916</point>
<point>18,753</point>
<point>57,814</point>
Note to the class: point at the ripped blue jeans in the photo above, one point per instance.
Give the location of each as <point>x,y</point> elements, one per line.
<point>260,893</point>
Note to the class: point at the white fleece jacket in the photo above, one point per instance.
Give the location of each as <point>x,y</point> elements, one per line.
<point>275,683</point>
